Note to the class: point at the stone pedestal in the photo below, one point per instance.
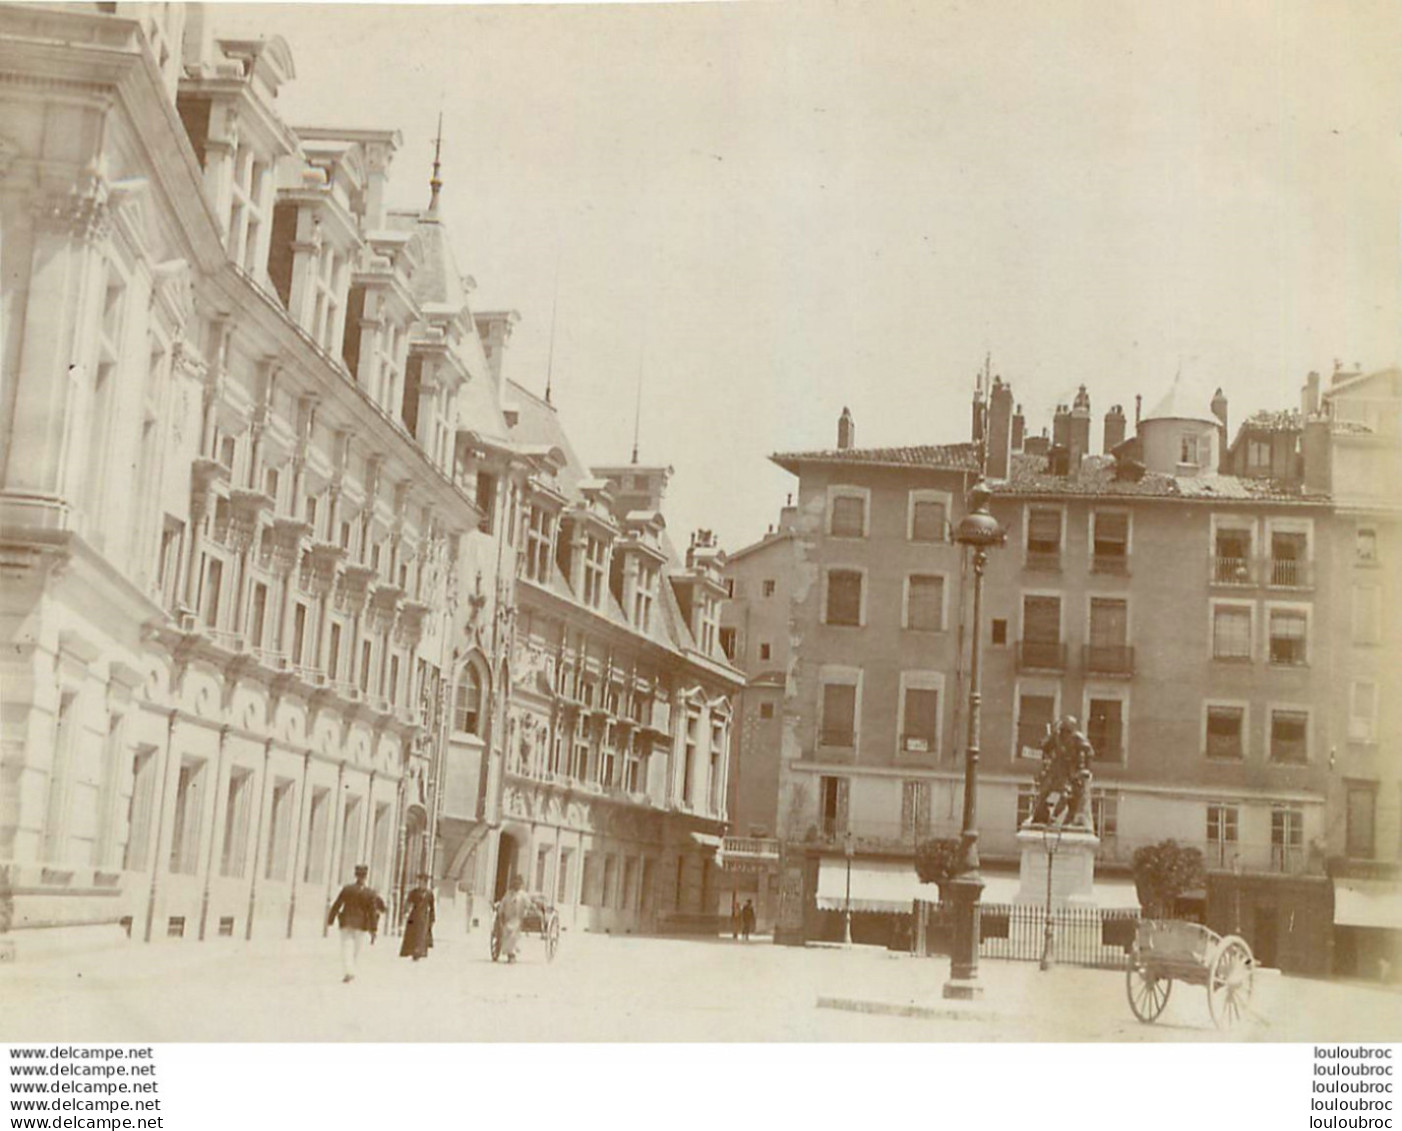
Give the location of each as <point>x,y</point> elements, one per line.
<point>1072,856</point>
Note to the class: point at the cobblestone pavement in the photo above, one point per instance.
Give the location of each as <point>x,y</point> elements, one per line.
<point>620,989</point>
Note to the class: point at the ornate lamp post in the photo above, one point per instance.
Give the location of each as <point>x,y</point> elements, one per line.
<point>978,530</point>
<point>1051,841</point>
<point>847,851</point>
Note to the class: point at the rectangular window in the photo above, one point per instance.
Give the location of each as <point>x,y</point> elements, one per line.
<point>1043,537</point>
<point>767,587</point>
<point>1363,711</point>
<point>486,498</point>
<point>172,544</point>
<point>832,805</point>
<point>848,517</point>
<point>1108,649</point>
<point>766,710</point>
<point>630,884</point>
<point>588,880</point>
<point>257,614</point>
<point>140,809</point>
<point>542,869</point>
<point>333,652</point>
<point>693,725</point>
<point>281,825</point>
<point>1105,814</point>
<point>595,570</point>
<point>1367,614</point>
<point>606,895</point>
<point>1105,729</point>
<point>1221,836</point>
<point>927,521</point>
<point>1362,805</point>
<point>998,631</point>
<point>1035,714</point>
<point>238,809</point>
<point>1289,736</point>
<point>562,880</point>
<point>924,609</point>
<point>1109,542</point>
<point>1231,563</point>
<point>920,722</point>
<point>185,828</point>
<point>1289,559</point>
<point>1226,732</point>
<point>915,810</point>
<point>839,715</point>
<point>1041,632</point>
<point>1287,839</point>
<point>844,605</point>
<point>727,642</point>
<point>1258,457</point>
<point>1365,546</point>
<point>1231,632</point>
<point>318,830</point>
<point>1188,449</point>
<point>764,651</point>
<point>1288,636</point>
<point>214,577</point>
<point>299,633</point>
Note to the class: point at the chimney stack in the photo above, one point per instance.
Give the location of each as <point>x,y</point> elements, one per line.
<point>846,430</point>
<point>1000,429</point>
<point>1079,428</point>
<point>1019,429</point>
<point>1309,396</point>
<point>976,424</point>
<point>1115,424</point>
<point>1138,404</point>
<point>1061,427</point>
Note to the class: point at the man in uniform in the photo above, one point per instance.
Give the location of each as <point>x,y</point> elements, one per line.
<point>357,911</point>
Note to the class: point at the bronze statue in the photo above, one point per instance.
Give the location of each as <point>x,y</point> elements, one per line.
<point>1065,773</point>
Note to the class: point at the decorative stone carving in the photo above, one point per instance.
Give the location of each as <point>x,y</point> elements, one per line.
<point>82,214</point>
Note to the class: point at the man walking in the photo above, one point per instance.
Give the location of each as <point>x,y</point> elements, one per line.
<point>358,909</point>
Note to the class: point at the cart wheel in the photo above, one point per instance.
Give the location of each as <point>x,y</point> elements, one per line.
<point>552,937</point>
<point>1147,992</point>
<point>1231,978</point>
<point>496,940</point>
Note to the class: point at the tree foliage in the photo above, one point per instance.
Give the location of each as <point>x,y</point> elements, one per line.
<point>1163,872</point>
<point>936,861</point>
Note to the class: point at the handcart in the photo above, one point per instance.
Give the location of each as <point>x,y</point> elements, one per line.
<point>540,919</point>
<point>1169,950</point>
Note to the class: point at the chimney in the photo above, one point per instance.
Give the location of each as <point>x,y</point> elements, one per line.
<point>846,430</point>
<point>1219,410</point>
<point>1000,429</point>
<point>1317,456</point>
<point>1019,429</point>
<point>1061,427</point>
<point>1079,439</point>
<point>1309,396</point>
<point>1059,460</point>
<point>1138,404</point>
<point>976,427</point>
<point>1114,428</point>
<point>1037,445</point>
<point>494,329</point>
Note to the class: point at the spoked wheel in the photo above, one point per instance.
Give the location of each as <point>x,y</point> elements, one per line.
<point>496,940</point>
<point>1231,979</point>
<point>1147,992</point>
<point>552,937</point>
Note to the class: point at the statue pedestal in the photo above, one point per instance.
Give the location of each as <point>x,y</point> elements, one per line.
<point>1071,853</point>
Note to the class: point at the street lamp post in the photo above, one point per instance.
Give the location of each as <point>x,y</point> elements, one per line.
<point>847,850</point>
<point>978,530</point>
<point>1051,841</point>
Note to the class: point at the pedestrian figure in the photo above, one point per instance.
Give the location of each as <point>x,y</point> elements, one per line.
<point>357,910</point>
<point>734,919</point>
<point>513,911</point>
<point>747,920</point>
<point>418,922</point>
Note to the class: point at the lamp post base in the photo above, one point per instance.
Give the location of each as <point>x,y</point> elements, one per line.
<point>963,989</point>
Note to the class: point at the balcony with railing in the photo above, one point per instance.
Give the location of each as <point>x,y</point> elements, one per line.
<point>1104,562</point>
<point>902,837</point>
<point>1229,569</point>
<point>1252,857</point>
<point>1041,655</point>
<point>1108,659</point>
<point>1289,573</point>
<point>1044,561</point>
<point>750,848</point>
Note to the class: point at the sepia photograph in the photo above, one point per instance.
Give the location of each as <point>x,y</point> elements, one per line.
<point>819,522</point>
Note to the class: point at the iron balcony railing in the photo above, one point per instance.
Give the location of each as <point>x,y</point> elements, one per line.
<point>1231,570</point>
<point>1108,659</point>
<point>766,848</point>
<point>1046,655</point>
<point>1290,573</point>
<point>1109,563</point>
<point>1045,560</point>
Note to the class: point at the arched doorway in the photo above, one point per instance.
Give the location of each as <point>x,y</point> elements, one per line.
<point>508,853</point>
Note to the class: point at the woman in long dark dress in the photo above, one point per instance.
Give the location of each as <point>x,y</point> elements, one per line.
<point>418,925</point>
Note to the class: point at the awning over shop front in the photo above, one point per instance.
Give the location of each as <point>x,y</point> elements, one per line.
<point>876,886</point>
<point>1368,903</point>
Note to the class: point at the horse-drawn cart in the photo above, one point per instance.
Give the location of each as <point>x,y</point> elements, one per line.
<point>541,919</point>
<point>1165,950</point>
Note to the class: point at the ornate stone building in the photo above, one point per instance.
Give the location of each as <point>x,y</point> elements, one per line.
<point>244,551</point>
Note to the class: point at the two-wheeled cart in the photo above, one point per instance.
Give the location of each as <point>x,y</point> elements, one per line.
<point>541,919</point>
<point>1166,951</point>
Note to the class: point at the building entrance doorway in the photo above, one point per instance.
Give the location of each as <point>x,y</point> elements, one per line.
<point>508,853</point>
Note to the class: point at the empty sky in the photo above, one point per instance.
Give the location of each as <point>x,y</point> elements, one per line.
<point>775,210</point>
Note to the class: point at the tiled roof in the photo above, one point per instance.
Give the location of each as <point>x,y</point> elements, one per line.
<point>1096,477</point>
<point>944,457</point>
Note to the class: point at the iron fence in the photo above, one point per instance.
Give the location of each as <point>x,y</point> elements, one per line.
<point>1081,936</point>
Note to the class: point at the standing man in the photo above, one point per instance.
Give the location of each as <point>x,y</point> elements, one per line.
<point>747,919</point>
<point>358,909</point>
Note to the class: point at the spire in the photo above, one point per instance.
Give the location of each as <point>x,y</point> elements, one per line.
<point>554,306</point>
<point>638,407</point>
<point>435,183</point>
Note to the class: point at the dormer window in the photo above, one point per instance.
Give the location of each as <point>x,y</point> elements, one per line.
<point>644,597</point>
<point>595,571</point>
<point>1188,447</point>
<point>326,308</point>
<point>540,534</point>
<point>247,214</point>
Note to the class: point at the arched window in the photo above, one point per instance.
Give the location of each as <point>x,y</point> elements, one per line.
<point>467,702</point>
